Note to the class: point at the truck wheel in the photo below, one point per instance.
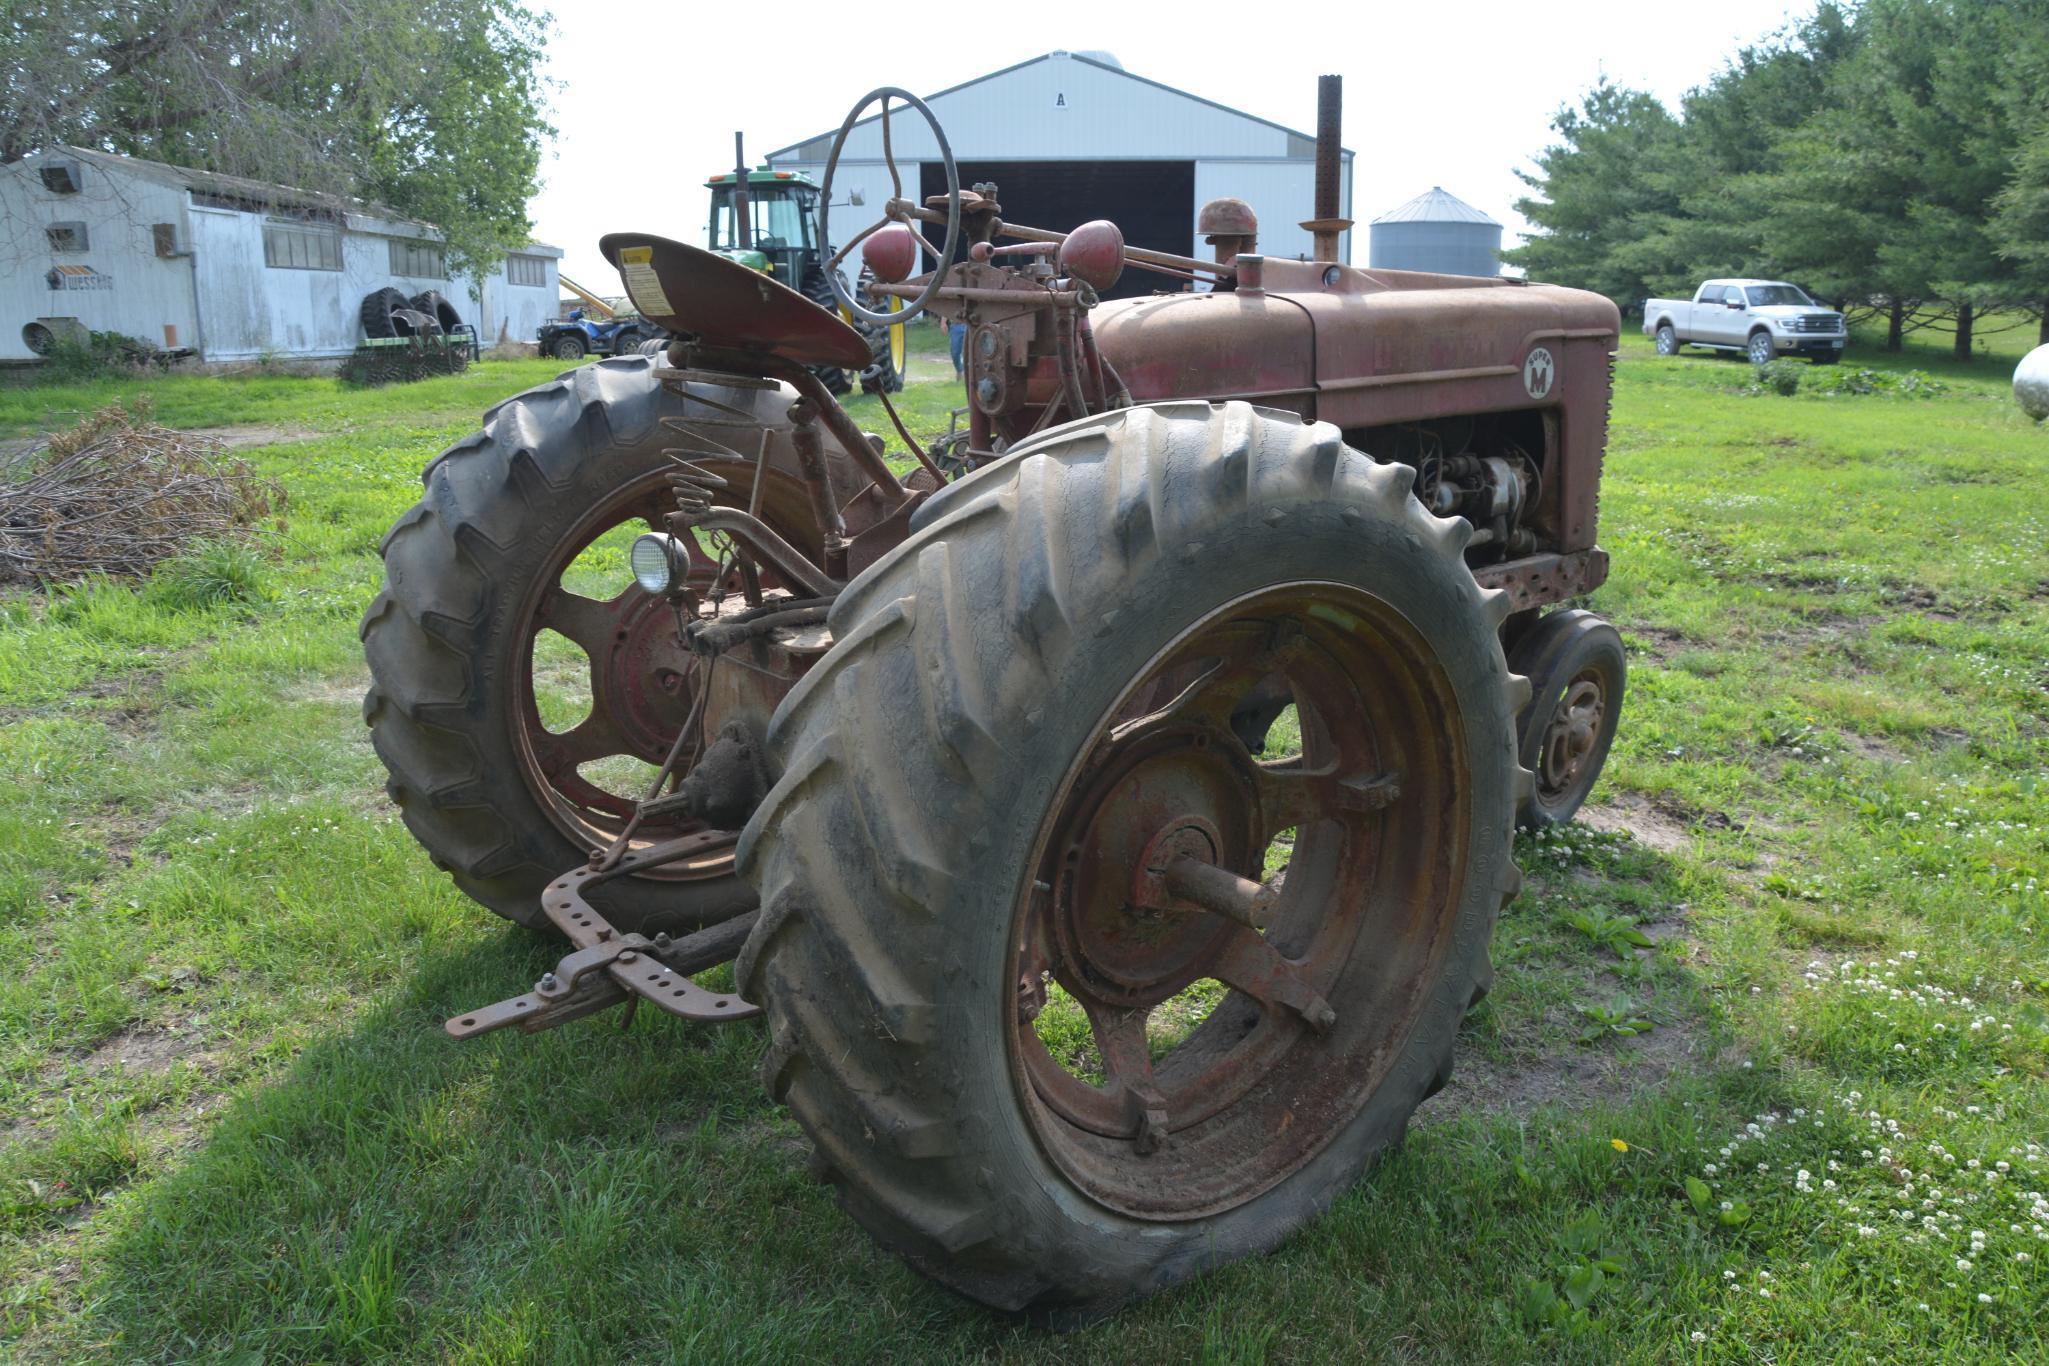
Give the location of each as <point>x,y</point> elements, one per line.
<point>478,570</point>
<point>1577,670</point>
<point>1668,340</point>
<point>1029,1062</point>
<point>1760,349</point>
<point>568,346</point>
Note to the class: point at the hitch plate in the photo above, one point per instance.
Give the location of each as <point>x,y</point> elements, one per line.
<point>605,967</point>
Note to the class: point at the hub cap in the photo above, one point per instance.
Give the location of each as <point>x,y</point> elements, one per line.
<point>1563,761</point>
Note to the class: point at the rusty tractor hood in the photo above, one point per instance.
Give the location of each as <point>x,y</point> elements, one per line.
<point>1358,347</point>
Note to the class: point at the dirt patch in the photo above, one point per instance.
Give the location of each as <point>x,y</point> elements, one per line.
<point>145,1049</point>
<point>1657,829</point>
<point>1874,750</point>
<point>1574,1075</point>
<point>346,691</point>
<point>236,438</point>
<point>1656,643</point>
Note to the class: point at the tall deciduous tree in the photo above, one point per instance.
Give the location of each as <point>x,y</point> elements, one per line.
<point>434,107</point>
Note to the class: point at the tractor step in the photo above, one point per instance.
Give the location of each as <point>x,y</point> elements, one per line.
<point>606,967</point>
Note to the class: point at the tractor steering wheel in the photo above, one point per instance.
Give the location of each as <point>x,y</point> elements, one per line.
<point>832,275</point>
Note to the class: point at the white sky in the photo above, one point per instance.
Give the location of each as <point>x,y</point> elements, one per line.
<point>1457,93</point>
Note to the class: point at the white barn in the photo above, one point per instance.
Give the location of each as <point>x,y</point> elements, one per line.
<point>234,269</point>
<point>1070,136</point>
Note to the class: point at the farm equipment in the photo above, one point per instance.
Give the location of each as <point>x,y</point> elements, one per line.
<point>768,221</point>
<point>609,334</point>
<point>1110,837</point>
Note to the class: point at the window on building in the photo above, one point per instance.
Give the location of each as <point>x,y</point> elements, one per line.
<point>66,236</point>
<point>423,259</point>
<point>289,244</point>
<point>527,270</point>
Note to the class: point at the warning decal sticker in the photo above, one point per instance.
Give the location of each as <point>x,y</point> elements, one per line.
<point>643,286</point>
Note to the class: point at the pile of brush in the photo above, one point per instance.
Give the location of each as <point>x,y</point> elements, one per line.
<point>117,494</point>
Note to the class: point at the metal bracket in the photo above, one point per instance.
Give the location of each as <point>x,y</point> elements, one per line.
<point>606,967</point>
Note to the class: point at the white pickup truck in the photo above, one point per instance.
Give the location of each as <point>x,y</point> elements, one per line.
<point>1760,318</point>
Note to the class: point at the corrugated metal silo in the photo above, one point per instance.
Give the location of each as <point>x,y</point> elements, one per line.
<point>1438,232</point>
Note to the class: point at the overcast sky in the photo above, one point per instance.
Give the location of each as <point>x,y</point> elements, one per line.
<point>1457,93</point>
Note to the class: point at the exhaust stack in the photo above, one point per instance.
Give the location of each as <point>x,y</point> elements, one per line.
<point>1330,101</point>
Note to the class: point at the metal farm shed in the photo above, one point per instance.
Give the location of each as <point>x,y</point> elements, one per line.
<point>1070,136</point>
<point>233,269</point>
<point>1438,232</point>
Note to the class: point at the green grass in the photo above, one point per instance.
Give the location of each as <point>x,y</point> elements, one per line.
<point>233,1128</point>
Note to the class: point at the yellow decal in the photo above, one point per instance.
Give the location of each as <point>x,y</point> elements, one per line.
<point>643,286</point>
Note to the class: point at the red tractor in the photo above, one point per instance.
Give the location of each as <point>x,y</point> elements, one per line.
<point>1110,836</point>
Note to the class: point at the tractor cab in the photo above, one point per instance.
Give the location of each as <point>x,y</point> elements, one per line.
<point>782,228</point>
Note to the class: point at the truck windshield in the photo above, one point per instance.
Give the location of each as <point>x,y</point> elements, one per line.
<point>780,220</point>
<point>1764,296</point>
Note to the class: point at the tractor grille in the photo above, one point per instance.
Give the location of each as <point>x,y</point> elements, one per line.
<point>1818,322</point>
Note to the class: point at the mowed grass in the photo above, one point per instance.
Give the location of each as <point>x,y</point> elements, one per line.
<point>1805,1123</point>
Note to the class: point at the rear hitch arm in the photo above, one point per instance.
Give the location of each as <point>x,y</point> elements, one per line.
<point>606,967</point>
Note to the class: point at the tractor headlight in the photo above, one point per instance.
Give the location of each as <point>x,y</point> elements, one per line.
<point>660,563</point>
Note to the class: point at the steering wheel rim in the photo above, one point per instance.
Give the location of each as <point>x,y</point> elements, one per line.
<point>832,277</point>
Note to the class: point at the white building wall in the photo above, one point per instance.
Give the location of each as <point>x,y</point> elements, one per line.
<point>1283,196</point>
<point>130,290</point>
<point>1062,108</point>
<point>218,296</point>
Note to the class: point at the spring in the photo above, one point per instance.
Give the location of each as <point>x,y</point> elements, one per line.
<point>694,488</point>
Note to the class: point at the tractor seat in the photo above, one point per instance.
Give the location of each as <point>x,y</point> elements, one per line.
<point>700,294</point>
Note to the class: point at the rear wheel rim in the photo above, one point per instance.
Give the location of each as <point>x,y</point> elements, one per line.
<point>642,684</point>
<point>1308,1014</point>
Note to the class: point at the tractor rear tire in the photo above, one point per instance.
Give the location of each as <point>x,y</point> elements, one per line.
<point>378,313</point>
<point>435,305</point>
<point>899,854</point>
<point>831,376</point>
<point>448,636</point>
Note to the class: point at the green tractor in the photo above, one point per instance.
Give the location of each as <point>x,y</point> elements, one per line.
<point>779,237</point>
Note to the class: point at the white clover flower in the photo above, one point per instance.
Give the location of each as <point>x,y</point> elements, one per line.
<point>1984,1298</point>
<point>1698,1336</point>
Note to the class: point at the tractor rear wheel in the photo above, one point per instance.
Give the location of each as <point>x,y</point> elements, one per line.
<point>1059,1035</point>
<point>819,292</point>
<point>522,690</point>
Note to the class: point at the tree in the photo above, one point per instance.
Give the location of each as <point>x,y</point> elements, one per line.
<point>1607,197</point>
<point>433,107</point>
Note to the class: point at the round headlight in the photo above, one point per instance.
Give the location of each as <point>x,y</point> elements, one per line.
<point>659,562</point>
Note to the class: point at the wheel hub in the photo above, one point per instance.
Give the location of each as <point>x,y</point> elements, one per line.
<point>1569,738</point>
<point>1174,1009</point>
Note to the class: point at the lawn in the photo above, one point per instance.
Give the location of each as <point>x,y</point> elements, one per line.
<point>1761,1077</point>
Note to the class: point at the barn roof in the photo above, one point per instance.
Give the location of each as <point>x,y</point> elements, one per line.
<point>1435,206</point>
<point>1101,60</point>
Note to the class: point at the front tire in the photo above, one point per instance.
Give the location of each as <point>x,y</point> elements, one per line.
<point>1098,600</point>
<point>569,346</point>
<point>1760,349</point>
<point>1577,672</point>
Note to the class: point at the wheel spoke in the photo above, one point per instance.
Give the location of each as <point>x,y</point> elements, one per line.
<point>595,737</point>
<point>586,621</point>
<point>1128,1067</point>
<point>1252,965</point>
<point>1292,796</point>
<point>1212,697</point>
